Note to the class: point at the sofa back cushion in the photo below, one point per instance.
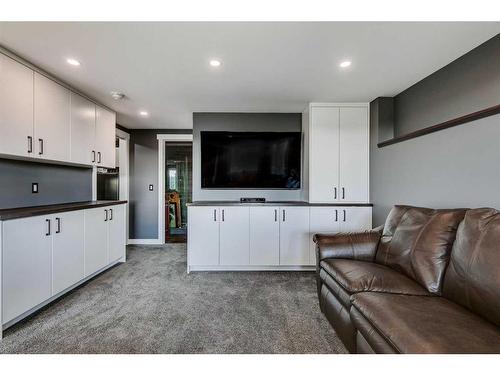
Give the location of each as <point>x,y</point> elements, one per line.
<point>417,242</point>
<point>473,275</point>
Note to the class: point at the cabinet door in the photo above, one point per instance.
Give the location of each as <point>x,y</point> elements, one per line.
<point>355,219</point>
<point>96,240</point>
<point>264,236</point>
<point>52,119</point>
<point>324,155</point>
<point>117,232</point>
<point>105,138</point>
<point>82,130</point>
<point>354,154</point>
<point>234,236</point>
<point>26,265</point>
<point>203,236</point>
<point>67,250</point>
<point>322,220</point>
<point>16,108</point>
<point>294,236</point>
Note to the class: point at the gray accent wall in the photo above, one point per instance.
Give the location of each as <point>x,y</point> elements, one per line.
<point>249,122</point>
<point>456,167</point>
<point>56,184</point>
<point>143,159</point>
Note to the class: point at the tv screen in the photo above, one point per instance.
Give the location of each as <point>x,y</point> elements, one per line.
<point>250,160</point>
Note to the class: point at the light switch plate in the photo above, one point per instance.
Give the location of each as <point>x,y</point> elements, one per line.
<point>151,187</point>
<point>34,187</point>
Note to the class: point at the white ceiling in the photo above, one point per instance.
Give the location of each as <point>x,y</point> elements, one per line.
<point>267,67</point>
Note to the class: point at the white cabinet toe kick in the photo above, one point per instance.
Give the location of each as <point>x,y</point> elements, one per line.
<point>43,257</point>
<point>266,237</point>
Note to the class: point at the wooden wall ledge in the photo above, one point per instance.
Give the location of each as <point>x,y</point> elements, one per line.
<point>444,125</point>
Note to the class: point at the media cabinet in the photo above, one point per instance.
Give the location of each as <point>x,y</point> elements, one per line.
<point>233,236</point>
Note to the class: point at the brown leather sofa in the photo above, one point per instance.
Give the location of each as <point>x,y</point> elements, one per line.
<point>428,281</point>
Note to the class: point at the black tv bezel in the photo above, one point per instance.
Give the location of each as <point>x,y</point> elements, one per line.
<point>251,188</point>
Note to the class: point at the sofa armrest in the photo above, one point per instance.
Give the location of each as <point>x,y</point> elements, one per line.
<point>358,245</point>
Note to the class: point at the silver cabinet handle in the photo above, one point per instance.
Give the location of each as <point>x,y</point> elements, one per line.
<point>336,215</point>
<point>215,215</point>
<point>93,156</point>
<point>48,227</point>
<point>275,215</point>
<point>58,227</point>
<point>334,193</point>
<point>284,215</point>
<point>105,215</point>
<point>222,215</point>
<point>99,157</point>
<point>343,193</point>
<point>110,214</point>
<point>344,215</point>
<point>30,144</point>
<point>40,142</point>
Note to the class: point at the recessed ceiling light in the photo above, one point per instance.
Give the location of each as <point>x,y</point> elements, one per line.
<point>73,62</point>
<point>345,64</point>
<point>144,113</point>
<point>215,63</point>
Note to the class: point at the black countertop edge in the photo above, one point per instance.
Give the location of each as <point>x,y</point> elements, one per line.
<point>17,213</point>
<point>277,203</point>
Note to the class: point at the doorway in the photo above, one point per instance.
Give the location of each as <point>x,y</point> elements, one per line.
<point>178,191</point>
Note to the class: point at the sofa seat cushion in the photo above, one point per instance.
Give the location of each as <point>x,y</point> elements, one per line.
<point>356,276</point>
<point>423,324</point>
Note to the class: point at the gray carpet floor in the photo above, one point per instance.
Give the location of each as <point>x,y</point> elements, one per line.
<point>151,305</point>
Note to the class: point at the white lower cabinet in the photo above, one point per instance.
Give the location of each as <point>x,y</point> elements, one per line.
<point>26,265</point>
<point>203,236</point>
<point>233,236</point>
<point>264,236</point>
<point>96,239</point>
<point>43,256</point>
<point>294,236</point>
<point>68,251</point>
<point>117,236</point>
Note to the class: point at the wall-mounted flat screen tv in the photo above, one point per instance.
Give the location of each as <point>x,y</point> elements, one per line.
<point>250,160</point>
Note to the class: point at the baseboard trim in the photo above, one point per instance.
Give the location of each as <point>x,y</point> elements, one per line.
<point>249,268</point>
<point>144,241</point>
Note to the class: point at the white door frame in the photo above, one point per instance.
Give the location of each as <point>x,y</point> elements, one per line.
<point>123,173</point>
<point>162,139</point>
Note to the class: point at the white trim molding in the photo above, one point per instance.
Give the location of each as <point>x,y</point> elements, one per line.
<point>162,139</point>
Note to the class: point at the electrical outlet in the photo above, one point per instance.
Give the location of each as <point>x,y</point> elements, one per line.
<point>34,187</point>
<point>151,187</point>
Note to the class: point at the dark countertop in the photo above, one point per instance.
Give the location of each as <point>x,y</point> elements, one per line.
<point>16,213</point>
<point>277,203</point>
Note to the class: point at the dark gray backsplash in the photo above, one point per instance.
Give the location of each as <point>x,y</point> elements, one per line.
<point>56,184</point>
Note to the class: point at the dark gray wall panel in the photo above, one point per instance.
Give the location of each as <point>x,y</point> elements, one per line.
<point>456,167</point>
<point>56,184</point>
<point>252,122</point>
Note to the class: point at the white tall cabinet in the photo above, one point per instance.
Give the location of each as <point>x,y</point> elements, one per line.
<point>83,132</point>
<point>336,153</point>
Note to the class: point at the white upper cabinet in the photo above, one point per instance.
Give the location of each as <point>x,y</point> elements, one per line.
<point>105,138</point>
<point>353,164</point>
<point>41,119</point>
<point>83,118</point>
<point>16,108</point>
<point>338,150</point>
<point>324,154</point>
<point>52,119</point>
